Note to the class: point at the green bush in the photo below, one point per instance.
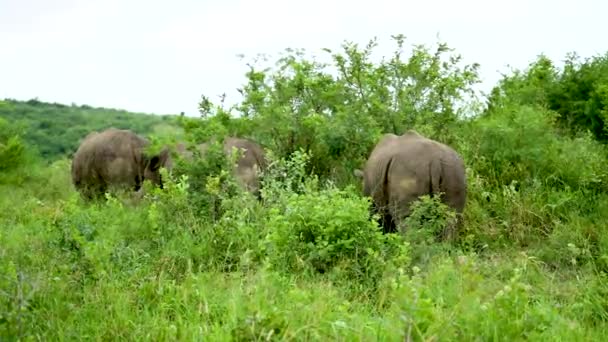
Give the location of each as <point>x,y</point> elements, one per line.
<point>521,144</point>
<point>578,92</point>
<point>14,155</point>
<point>209,178</point>
<point>331,230</point>
<point>337,111</point>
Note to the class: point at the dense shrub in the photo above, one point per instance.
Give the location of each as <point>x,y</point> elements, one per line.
<point>521,143</point>
<point>329,229</point>
<point>578,92</point>
<point>15,155</point>
<point>12,149</point>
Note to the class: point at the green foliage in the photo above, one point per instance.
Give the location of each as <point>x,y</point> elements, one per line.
<point>336,112</point>
<point>531,186</point>
<point>286,176</point>
<point>456,299</point>
<point>521,143</point>
<point>430,221</point>
<point>12,148</point>
<point>578,92</point>
<point>429,218</point>
<point>55,130</point>
<point>15,155</point>
<point>210,179</point>
<point>581,95</point>
<point>331,230</point>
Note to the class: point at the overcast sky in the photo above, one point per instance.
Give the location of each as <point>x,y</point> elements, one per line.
<point>160,56</point>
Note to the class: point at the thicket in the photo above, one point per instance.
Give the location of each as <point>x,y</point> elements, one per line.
<point>201,259</point>
<point>578,93</point>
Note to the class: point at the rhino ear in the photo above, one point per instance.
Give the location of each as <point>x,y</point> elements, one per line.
<point>159,160</point>
<point>358,173</point>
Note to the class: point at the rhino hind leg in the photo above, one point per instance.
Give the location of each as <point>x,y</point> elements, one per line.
<point>455,201</point>
<point>388,222</point>
<point>400,210</point>
<point>452,228</point>
<point>385,219</point>
<point>92,192</point>
<point>138,183</point>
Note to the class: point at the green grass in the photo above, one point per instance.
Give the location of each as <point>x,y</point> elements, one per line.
<point>73,271</point>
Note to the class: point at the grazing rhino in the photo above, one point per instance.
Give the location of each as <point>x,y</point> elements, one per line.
<point>402,168</point>
<point>115,159</point>
<point>251,159</point>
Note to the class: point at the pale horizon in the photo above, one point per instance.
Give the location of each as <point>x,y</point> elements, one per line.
<point>143,56</point>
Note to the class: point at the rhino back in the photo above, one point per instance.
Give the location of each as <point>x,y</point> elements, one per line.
<point>112,156</point>
<point>252,153</point>
<point>252,160</point>
<point>410,175</point>
<point>438,167</point>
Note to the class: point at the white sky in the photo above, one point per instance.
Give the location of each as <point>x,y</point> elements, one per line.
<point>160,56</point>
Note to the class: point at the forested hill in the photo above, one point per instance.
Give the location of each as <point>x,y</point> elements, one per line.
<point>55,130</point>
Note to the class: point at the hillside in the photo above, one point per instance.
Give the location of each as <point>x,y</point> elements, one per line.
<point>55,130</point>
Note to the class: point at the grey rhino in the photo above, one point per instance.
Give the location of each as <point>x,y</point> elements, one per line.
<point>402,168</point>
<point>250,160</point>
<point>114,159</point>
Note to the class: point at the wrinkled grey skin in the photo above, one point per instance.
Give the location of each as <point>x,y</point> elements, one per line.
<point>402,168</point>
<point>115,159</point>
<point>251,159</point>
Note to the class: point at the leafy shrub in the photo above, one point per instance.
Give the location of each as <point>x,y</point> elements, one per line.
<point>429,219</point>
<point>14,155</point>
<point>578,92</point>
<point>331,231</point>
<point>521,144</point>
<point>210,179</point>
<point>337,111</point>
<point>284,176</point>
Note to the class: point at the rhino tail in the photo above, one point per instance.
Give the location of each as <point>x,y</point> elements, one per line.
<point>378,188</point>
<point>435,174</point>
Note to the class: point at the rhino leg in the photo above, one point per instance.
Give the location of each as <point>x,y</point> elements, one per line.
<point>93,191</point>
<point>400,210</point>
<point>138,183</point>
<point>403,189</point>
<point>450,231</point>
<point>386,220</point>
<point>453,199</point>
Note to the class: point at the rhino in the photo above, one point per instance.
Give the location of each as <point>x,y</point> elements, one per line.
<point>251,159</point>
<point>115,159</point>
<point>402,168</point>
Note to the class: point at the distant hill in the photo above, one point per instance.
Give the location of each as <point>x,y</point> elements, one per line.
<point>55,130</point>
